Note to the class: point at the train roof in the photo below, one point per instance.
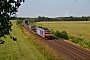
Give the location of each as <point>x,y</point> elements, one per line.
<point>43,28</point>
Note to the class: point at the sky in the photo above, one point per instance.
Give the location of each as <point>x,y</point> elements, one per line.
<point>54,8</point>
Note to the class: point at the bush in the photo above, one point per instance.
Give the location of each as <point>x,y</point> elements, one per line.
<point>75,40</point>
<point>57,33</point>
<point>64,35</point>
<point>88,44</point>
<point>52,32</point>
<point>80,41</point>
<point>18,22</point>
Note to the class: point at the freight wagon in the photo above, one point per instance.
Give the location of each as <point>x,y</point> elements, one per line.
<point>24,24</point>
<point>27,25</point>
<point>31,27</point>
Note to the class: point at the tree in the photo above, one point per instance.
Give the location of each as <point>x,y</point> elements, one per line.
<point>7,8</point>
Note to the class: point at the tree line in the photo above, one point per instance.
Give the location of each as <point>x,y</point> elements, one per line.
<point>42,18</point>
<point>71,18</point>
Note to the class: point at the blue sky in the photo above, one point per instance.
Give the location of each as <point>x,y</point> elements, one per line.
<point>54,8</point>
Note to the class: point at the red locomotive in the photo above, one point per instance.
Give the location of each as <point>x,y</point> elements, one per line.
<point>44,32</point>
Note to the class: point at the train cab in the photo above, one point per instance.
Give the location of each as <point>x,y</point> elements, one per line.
<point>47,33</point>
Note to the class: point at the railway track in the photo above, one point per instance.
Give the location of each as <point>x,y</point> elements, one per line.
<point>76,49</point>
<point>70,50</point>
<point>67,50</point>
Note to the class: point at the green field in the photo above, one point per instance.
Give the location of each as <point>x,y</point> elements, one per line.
<point>74,28</point>
<point>20,49</point>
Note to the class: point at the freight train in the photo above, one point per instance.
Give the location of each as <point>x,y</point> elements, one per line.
<point>43,32</point>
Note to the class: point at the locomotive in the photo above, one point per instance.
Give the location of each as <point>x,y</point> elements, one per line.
<point>43,32</point>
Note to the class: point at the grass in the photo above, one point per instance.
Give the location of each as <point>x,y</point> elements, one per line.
<point>25,48</point>
<point>74,28</point>
<point>20,49</point>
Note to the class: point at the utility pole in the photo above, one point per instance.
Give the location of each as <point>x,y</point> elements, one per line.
<point>48,24</point>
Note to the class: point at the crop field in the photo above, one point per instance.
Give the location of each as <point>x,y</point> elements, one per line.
<point>74,28</point>
<point>20,49</point>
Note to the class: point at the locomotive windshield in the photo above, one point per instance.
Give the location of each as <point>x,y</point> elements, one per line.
<point>47,32</point>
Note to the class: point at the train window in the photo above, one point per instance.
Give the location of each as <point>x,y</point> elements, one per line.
<point>47,32</point>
